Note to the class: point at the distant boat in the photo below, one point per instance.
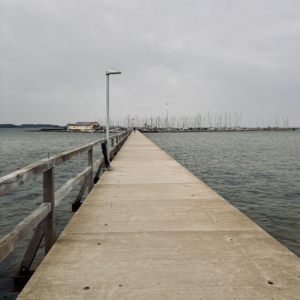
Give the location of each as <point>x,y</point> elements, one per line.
<point>116,130</point>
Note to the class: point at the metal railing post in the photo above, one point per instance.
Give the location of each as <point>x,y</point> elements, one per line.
<point>48,196</point>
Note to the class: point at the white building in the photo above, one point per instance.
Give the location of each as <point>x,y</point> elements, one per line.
<point>82,126</point>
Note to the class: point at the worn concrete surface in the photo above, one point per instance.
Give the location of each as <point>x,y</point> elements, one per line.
<point>152,230</point>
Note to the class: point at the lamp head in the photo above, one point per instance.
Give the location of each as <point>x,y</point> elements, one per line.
<point>112,72</point>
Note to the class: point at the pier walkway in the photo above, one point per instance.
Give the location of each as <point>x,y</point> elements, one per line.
<point>150,229</point>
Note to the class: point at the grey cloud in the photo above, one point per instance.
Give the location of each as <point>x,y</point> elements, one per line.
<point>198,56</point>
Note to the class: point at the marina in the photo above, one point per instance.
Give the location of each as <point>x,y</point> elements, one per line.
<point>165,123</point>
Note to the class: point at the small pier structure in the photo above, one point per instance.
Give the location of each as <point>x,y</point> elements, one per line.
<point>150,229</point>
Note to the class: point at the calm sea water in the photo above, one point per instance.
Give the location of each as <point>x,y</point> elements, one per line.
<point>257,172</point>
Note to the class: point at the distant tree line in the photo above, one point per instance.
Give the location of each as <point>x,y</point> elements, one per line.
<point>29,126</point>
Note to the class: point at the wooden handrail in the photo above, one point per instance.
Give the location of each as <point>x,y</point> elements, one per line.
<point>16,179</point>
<point>12,239</point>
<point>68,186</point>
<point>12,181</point>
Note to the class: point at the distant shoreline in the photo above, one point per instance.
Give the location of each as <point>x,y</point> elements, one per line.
<point>30,126</point>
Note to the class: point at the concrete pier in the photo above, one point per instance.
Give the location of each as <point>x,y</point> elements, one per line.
<point>151,230</point>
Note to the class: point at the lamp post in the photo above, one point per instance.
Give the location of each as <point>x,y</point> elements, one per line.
<point>108,72</point>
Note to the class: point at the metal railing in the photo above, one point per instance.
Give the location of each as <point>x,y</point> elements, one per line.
<point>43,218</point>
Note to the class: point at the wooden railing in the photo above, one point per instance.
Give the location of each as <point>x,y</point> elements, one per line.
<point>43,218</point>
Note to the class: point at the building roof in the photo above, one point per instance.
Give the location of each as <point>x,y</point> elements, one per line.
<point>84,123</point>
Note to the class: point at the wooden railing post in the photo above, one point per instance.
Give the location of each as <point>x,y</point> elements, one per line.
<point>90,163</point>
<point>24,273</point>
<point>117,139</point>
<point>48,196</point>
<point>112,147</point>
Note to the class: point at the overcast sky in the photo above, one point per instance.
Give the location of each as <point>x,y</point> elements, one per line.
<point>198,56</point>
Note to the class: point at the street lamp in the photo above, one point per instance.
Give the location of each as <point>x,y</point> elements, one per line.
<point>108,72</point>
